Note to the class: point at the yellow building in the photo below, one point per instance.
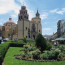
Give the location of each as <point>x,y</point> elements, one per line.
<point>26,28</point>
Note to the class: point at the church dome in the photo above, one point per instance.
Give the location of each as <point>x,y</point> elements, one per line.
<point>9,22</point>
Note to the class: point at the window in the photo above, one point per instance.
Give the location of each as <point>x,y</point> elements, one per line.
<point>39,30</point>
<point>26,36</point>
<point>29,33</point>
<point>33,27</point>
<point>26,28</point>
<point>29,36</point>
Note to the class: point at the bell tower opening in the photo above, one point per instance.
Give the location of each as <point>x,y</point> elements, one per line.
<point>23,13</point>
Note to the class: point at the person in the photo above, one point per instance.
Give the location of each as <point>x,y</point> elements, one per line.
<point>0,41</point>
<point>55,44</point>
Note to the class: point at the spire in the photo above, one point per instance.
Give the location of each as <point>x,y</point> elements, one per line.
<point>37,14</point>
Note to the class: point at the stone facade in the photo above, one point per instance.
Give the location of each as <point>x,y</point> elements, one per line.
<point>23,28</point>
<point>60,28</point>
<point>26,28</point>
<point>9,29</point>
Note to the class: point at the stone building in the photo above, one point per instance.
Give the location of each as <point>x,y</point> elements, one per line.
<point>26,28</point>
<point>0,31</point>
<point>9,29</point>
<point>23,28</point>
<point>60,28</point>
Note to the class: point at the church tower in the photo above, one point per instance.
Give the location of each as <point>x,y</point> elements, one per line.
<point>23,13</point>
<point>23,23</point>
<point>26,28</point>
<point>36,26</point>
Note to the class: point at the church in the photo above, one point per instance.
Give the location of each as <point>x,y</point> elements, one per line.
<point>24,27</point>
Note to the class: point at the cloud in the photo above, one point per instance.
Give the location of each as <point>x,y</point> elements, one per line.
<point>30,11</point>
<point>45,23</point>
<point>54,11</point>
<point>31,14</point>
<point>44,16</point>
<point>14,15</point>
<point>62,11</point>
<point>46,29</point>
<point>8,5</point>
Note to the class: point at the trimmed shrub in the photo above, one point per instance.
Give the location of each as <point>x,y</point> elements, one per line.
<point>17,43</point>
<point>42,43</point>
<point>3,50</point>
<point>4,47</point>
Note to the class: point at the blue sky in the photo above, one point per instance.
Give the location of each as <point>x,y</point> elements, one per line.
<point>50,12</point>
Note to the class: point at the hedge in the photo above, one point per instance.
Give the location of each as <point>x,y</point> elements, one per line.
<point>3,50</point>
<point>4,47</point>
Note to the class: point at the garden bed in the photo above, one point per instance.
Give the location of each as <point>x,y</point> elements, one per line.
<point>10,60</point>
<point>32,53</point>
<point>19,57</point>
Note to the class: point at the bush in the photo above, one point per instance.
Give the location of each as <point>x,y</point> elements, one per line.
<point>60,56</point>
<point>41,43</point>
<point>3,50</point>
<point>17,43</point>
<point>49,46</point>
<point>36,54</point>
<point>49,55</point>
<point>24,39</point>
<point>62,48</point>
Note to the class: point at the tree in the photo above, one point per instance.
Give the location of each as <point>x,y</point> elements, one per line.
<point>41,42</point>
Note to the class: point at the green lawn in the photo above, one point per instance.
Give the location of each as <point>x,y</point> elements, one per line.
<point>10,60</point>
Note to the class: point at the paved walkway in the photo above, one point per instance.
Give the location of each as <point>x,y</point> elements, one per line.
<point>3,62</point>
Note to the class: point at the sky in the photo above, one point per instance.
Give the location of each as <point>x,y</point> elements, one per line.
<point>50,12</point>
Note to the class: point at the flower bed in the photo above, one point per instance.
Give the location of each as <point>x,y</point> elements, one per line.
<point>34,54</point>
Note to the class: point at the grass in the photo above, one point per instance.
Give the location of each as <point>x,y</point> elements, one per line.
<point>10,60</point>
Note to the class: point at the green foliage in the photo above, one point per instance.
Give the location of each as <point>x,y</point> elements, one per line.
<point>24,39</point>
<point>62,48</point>
<point>10,60</point>
<point>3,49</point>
<point>60,56</point>
<point>49,46</point>
<point>36,54</point>
<point>52,54</point>
<point>42,43</point>
<point>17,43</point>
